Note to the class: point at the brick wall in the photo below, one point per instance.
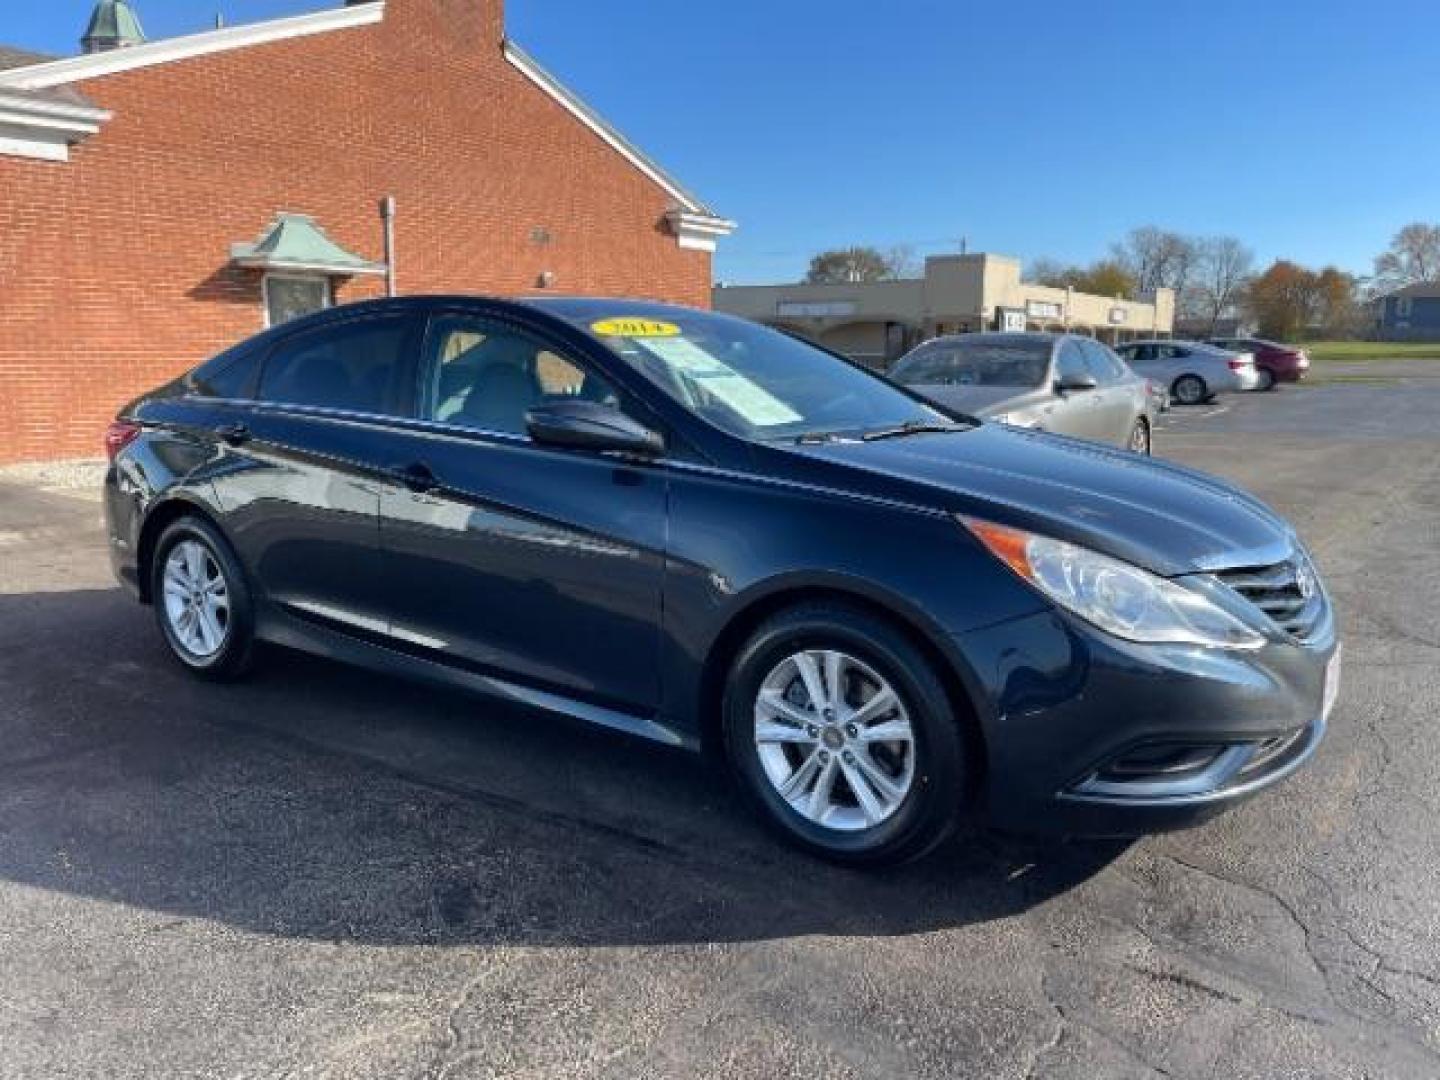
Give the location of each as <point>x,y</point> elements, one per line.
<point>114,270</point>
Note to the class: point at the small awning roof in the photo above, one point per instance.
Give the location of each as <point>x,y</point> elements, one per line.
<point>295,242</point>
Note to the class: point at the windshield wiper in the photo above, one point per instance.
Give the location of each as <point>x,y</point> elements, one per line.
<point>911,427</point>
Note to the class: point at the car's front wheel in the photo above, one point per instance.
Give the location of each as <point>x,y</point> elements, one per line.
<point>201,600</point>
<point>843,736</point>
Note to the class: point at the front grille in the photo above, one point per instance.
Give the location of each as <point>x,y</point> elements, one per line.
<point>1289,593</point>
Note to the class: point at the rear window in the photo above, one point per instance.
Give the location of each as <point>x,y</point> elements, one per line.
<point>980,363</point>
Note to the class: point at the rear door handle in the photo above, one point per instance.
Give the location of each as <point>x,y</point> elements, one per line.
<point>418,477</point>
<point>235,434</point>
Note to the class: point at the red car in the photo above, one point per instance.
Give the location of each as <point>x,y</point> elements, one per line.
<point>1275,362</point>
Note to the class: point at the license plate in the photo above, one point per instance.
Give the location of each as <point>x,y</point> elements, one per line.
<point>1332,684</point>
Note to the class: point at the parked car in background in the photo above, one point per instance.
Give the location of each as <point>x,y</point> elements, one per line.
<point>1064,383</point>
<point>1275,362</point>
<point>1193,371</point>
<point>695,529</point>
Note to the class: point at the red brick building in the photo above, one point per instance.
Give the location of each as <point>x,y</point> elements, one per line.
<point>163,200</point>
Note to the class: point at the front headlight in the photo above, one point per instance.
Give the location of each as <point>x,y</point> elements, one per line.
<point>1119,598</point>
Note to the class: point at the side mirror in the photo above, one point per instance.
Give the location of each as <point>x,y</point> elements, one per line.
<point>588,425</point>
<point>1068,384</point>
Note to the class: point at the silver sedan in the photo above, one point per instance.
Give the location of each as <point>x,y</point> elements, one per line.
<point>1192,371</point>
<point>1064,383</point>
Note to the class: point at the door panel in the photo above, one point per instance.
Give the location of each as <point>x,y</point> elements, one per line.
<point>302,506</point>
<point>305,466</point>
<point>541,564</point>
<point>544,565</point>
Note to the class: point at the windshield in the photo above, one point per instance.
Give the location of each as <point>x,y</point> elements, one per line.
<point>978,363</point>
<point>752,381</point>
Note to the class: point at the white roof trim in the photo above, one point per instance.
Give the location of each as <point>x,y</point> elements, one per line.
<point>547,82</point>
<point>698,232</point>
<point>43,129</point>
<point>93,65</point>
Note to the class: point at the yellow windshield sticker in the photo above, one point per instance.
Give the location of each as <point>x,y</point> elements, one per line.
<point>635,328</point>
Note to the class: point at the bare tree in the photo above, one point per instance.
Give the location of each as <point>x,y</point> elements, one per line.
<point>902,261</point>
<point>1225,265</point>
<point>1413,258</point>
<point>1156,258</point>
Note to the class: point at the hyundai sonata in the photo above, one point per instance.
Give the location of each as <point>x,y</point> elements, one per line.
<point>881,617</point>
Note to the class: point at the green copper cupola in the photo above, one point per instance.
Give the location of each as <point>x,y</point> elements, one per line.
<point>113,25</point>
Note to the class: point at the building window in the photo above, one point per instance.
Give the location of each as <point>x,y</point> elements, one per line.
<point>289,297</point>
<point>1402,307</point>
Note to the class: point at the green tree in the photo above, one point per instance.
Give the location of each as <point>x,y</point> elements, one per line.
<point>852,264</point>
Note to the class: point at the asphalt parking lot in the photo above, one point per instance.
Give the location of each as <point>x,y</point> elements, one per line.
<point>323,873</point>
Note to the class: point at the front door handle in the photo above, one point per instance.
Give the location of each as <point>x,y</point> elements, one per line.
<point>418,477</point>
<point>235,434</point>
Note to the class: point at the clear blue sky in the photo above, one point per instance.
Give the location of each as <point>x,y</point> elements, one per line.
<point>1306,127</point>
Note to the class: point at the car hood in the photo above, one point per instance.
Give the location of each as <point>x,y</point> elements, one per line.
<point>1167,518</point>
<point>978,400</point>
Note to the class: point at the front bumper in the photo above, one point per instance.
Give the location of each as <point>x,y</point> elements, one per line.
<point>1087,735</point>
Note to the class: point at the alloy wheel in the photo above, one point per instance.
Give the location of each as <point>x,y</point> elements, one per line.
<point>196,599</point>
<point>835,740</point>
<point>1189,390</point>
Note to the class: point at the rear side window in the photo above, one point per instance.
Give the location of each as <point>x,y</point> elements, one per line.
<point>356,367</point>
<point>229,375</point>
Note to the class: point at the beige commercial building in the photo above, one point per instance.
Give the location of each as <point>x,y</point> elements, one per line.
<point>876,322</point>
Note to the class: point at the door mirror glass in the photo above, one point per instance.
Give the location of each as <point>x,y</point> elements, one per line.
<point>588,425</point>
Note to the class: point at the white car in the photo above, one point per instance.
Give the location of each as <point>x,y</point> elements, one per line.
<point>1193,371</point>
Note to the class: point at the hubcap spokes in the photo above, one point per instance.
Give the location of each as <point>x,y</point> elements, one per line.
<point>197,599</point>
<point>834,739</point>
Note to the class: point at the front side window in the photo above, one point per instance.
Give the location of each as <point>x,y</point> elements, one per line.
<point>1104,364</point>
<point>977,363</point>
<point>354,366</point>
<point>1071,363</point>
<point>288,297</point>
<point>487,375</point>
<point>747,379</point>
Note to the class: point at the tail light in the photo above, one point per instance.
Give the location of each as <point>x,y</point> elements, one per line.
<point>120,434</point>
<point>1239,365</point>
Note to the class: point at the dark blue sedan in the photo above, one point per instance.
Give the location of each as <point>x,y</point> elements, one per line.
<point>882,617</point>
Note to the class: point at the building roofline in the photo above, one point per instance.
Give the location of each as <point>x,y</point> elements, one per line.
<point>94,65</point>
<point>572,103</point>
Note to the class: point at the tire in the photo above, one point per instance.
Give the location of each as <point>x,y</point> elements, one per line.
<point>218,646</point>
<point>922,786</point>
<point>1140,437</point>
<point>1190,390</point>
<point>1267,380</point>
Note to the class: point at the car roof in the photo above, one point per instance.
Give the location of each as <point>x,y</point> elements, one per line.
<point>986,337</point>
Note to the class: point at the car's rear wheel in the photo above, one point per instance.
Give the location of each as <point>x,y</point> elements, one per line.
<point>843,737</point>
<point>1140,436</point>
<point>201,600</point>
<point>1190,390</point>
<point>1267,379</point>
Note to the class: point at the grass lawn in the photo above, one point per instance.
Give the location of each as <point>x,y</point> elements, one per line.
<point>1373,350</point>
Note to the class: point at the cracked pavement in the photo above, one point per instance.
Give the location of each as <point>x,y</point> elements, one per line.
<point>323,873</point>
